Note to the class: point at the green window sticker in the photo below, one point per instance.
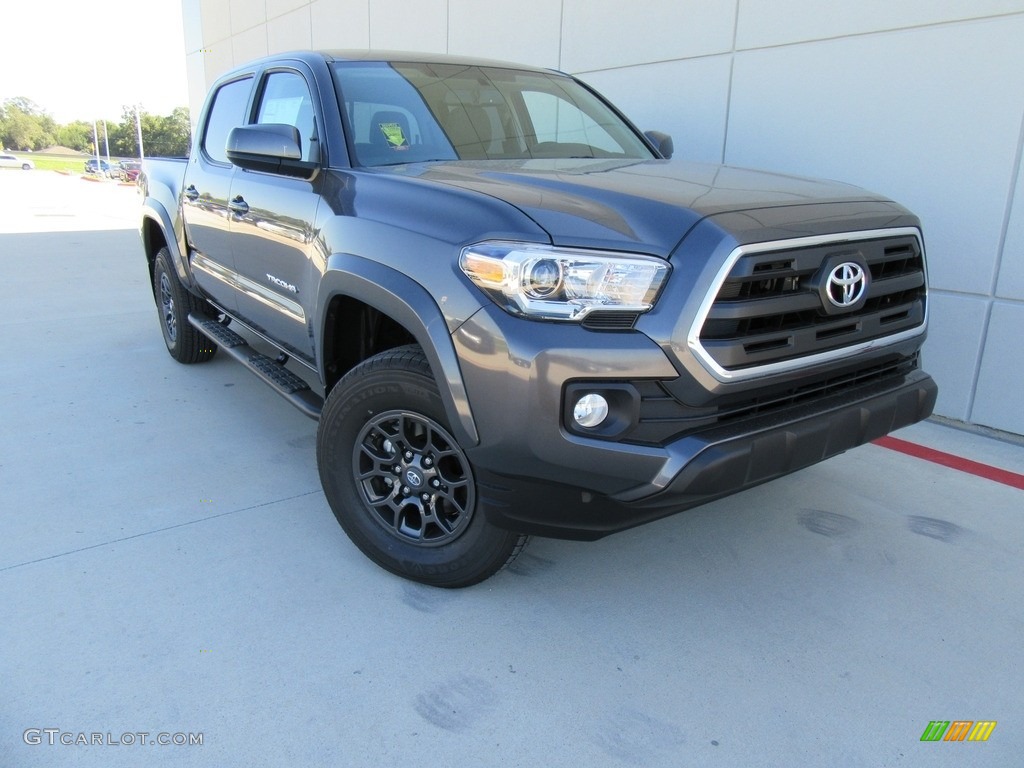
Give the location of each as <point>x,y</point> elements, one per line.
<point>394,134</point>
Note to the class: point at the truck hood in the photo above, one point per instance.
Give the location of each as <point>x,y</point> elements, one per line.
<point>644,206</point>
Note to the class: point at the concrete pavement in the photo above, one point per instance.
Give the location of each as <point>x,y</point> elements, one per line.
<point>169,566</point>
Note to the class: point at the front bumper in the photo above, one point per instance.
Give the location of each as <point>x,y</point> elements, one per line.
<point>711,464</point>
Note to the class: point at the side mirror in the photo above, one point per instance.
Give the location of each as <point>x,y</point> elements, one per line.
<point>271,148</point>
<point>662,143</point>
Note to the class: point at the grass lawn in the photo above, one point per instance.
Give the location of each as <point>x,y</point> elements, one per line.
<point>57,162</point>
<point>45,162</point>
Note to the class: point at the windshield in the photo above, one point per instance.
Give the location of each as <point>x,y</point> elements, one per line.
<point>408,113</point>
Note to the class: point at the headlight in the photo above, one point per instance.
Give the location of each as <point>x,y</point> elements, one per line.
<point>549,283</point>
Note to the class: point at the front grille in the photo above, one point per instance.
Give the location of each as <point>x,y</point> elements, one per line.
<point>768,309</point>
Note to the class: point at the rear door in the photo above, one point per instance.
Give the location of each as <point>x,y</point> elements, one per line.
<point>272,220</point>
<point>206,193</point>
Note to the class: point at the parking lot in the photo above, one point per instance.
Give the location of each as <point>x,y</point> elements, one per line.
<point>169,567</point>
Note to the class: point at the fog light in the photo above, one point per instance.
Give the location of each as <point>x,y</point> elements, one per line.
<point>590,410</point>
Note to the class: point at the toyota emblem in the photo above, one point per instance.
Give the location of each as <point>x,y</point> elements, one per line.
<point>846,284</point>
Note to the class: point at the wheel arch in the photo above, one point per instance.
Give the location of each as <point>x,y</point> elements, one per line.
<point>352,284</point>
<point>157,231</point>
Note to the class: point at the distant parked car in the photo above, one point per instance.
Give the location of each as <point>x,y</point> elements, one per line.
<point>10,161</point>
<point>130,170</point>
<point>104,168</point>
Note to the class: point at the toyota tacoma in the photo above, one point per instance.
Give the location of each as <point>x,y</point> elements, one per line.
<point>512,313</point>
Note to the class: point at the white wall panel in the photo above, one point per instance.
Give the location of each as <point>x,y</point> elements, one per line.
<point>955,331</point>
<point>246,14</point>
<point>218,59</point>
<point>686,99</point>
<point>340,24</point>
<point>419,26</point>
<point>216,21</point>
<point>290,32</point>
<point>601,34</point>
<point>1011,272</point>
<point>192,27</point>
<point>526,31</point>
<point>922,116</point>
<point>249,45</point>
<point>277,8</point>
<point>764,23</point>
<point>998,400</point>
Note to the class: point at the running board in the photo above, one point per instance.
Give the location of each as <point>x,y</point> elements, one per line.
<point>284,382</point>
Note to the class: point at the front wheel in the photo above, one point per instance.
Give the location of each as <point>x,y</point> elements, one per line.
<point>26,167</point>
<point>398,481</point>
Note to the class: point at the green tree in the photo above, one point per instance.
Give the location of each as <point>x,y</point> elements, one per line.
<point>75,135</point>
<point>169,136</point>
<point>24,125</point>
<point>179,128</point>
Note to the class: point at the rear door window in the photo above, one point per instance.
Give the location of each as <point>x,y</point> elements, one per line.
<point>226,112</point>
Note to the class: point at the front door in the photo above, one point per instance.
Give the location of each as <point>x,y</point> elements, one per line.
<point>272,225</point>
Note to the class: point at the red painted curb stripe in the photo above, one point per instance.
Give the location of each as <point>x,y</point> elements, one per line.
<point>1003,476</point>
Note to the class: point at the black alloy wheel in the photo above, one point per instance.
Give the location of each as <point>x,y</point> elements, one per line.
<point>413,474</point>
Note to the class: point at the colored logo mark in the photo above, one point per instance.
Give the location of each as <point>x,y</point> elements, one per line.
<point>958,730</point>
<point>394,134</point>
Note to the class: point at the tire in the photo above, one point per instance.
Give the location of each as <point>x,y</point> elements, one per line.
<point>174,304</point>
<point>397,480</point>
<point>26,167</point>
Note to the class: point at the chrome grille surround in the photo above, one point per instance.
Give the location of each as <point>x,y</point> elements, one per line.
<point>780,248</point>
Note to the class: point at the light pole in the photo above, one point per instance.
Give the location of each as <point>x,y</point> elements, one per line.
<point>138,127</point>
<point>106,141</point>
<point>96,145</point>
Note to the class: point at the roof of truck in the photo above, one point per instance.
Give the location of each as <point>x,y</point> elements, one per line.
<point>389,56</point>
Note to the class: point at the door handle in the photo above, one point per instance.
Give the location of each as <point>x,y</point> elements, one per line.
<point>192,193</point>
<point>239,206</point>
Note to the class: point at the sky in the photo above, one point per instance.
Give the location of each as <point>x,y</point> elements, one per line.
<point>84,61</point>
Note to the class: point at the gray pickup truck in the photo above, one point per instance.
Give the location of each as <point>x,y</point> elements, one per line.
<point>512,313</point>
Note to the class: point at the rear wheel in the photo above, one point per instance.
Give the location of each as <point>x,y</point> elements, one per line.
<point>398,481</point>
<point>174,304</point>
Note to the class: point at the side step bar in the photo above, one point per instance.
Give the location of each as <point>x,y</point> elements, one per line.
<point>284,382</point>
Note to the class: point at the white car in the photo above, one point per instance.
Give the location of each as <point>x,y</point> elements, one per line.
<point>10,161</point>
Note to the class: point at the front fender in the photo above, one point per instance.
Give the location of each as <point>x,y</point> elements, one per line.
<point>408,303</point>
